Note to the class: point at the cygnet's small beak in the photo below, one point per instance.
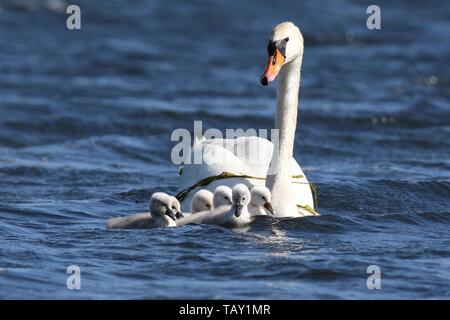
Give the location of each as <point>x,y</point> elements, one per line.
<point>179,215</point>
<point>171,215</point>
<point>238,210</point>
<point>268,207</point>
<point>273,67</point>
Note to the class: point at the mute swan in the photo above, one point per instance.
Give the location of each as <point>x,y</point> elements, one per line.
<point>232,214</point>
<point>291,193</point>
<point>222,196</point>
<point>202,201</point>
<point>241,199</point>
<point>260,204</point>
<point>175,207</point>
<point>162,214</point>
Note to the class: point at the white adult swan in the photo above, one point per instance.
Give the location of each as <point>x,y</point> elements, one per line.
<point>223,161</point>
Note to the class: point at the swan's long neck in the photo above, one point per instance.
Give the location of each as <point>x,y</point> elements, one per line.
<point>286,123</point>
<point>287,106</point>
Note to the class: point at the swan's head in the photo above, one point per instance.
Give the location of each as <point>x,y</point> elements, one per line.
<point>240,198</point>
<point>161,205</point>
<point>261,197</point>
<point>285,44</point>
<point>222,196</point>
<point>176,208</point>
<point>202,201</point>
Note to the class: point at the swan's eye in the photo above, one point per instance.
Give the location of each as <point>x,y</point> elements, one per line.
<point>208,205</point>
<point>286,39</point>
<point>243,198</point>
<point>226,198</point>
<point>264,198</point>
<point>173,207</point>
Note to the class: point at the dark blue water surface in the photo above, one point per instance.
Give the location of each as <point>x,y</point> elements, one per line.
<point>85,124</point>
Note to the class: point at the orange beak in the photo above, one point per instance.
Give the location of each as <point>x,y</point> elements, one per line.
<point>273,67</point>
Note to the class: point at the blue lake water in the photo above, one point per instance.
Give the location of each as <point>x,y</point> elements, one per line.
<point>85,124</point>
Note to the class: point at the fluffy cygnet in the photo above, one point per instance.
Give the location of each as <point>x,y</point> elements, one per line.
<point>222,196</point>
<point>163,212</point>
<point>260,201</point>
<point>176,208</point>
<point>234,214</point>
<point>202,201</point>
<point>241,199</point>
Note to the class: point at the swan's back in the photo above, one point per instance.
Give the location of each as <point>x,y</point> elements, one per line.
<point>232,161</point>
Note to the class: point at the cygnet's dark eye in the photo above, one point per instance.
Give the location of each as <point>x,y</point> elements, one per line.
<point>173,207</point>
<point>264,198</point>
<point>208,205</point>
<point>243,198</point>
<point>226,198</point>
<point>286,39</point>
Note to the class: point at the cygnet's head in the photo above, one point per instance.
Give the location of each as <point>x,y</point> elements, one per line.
<point>240,198</point>
<point>176,208</point>
<point>261,197</point>
<point>285,44</point>
<point>222,196</point>
<point>161,205</point>
<point>202,201</point>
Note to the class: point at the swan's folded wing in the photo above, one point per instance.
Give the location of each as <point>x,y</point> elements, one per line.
<point>254,153</point>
